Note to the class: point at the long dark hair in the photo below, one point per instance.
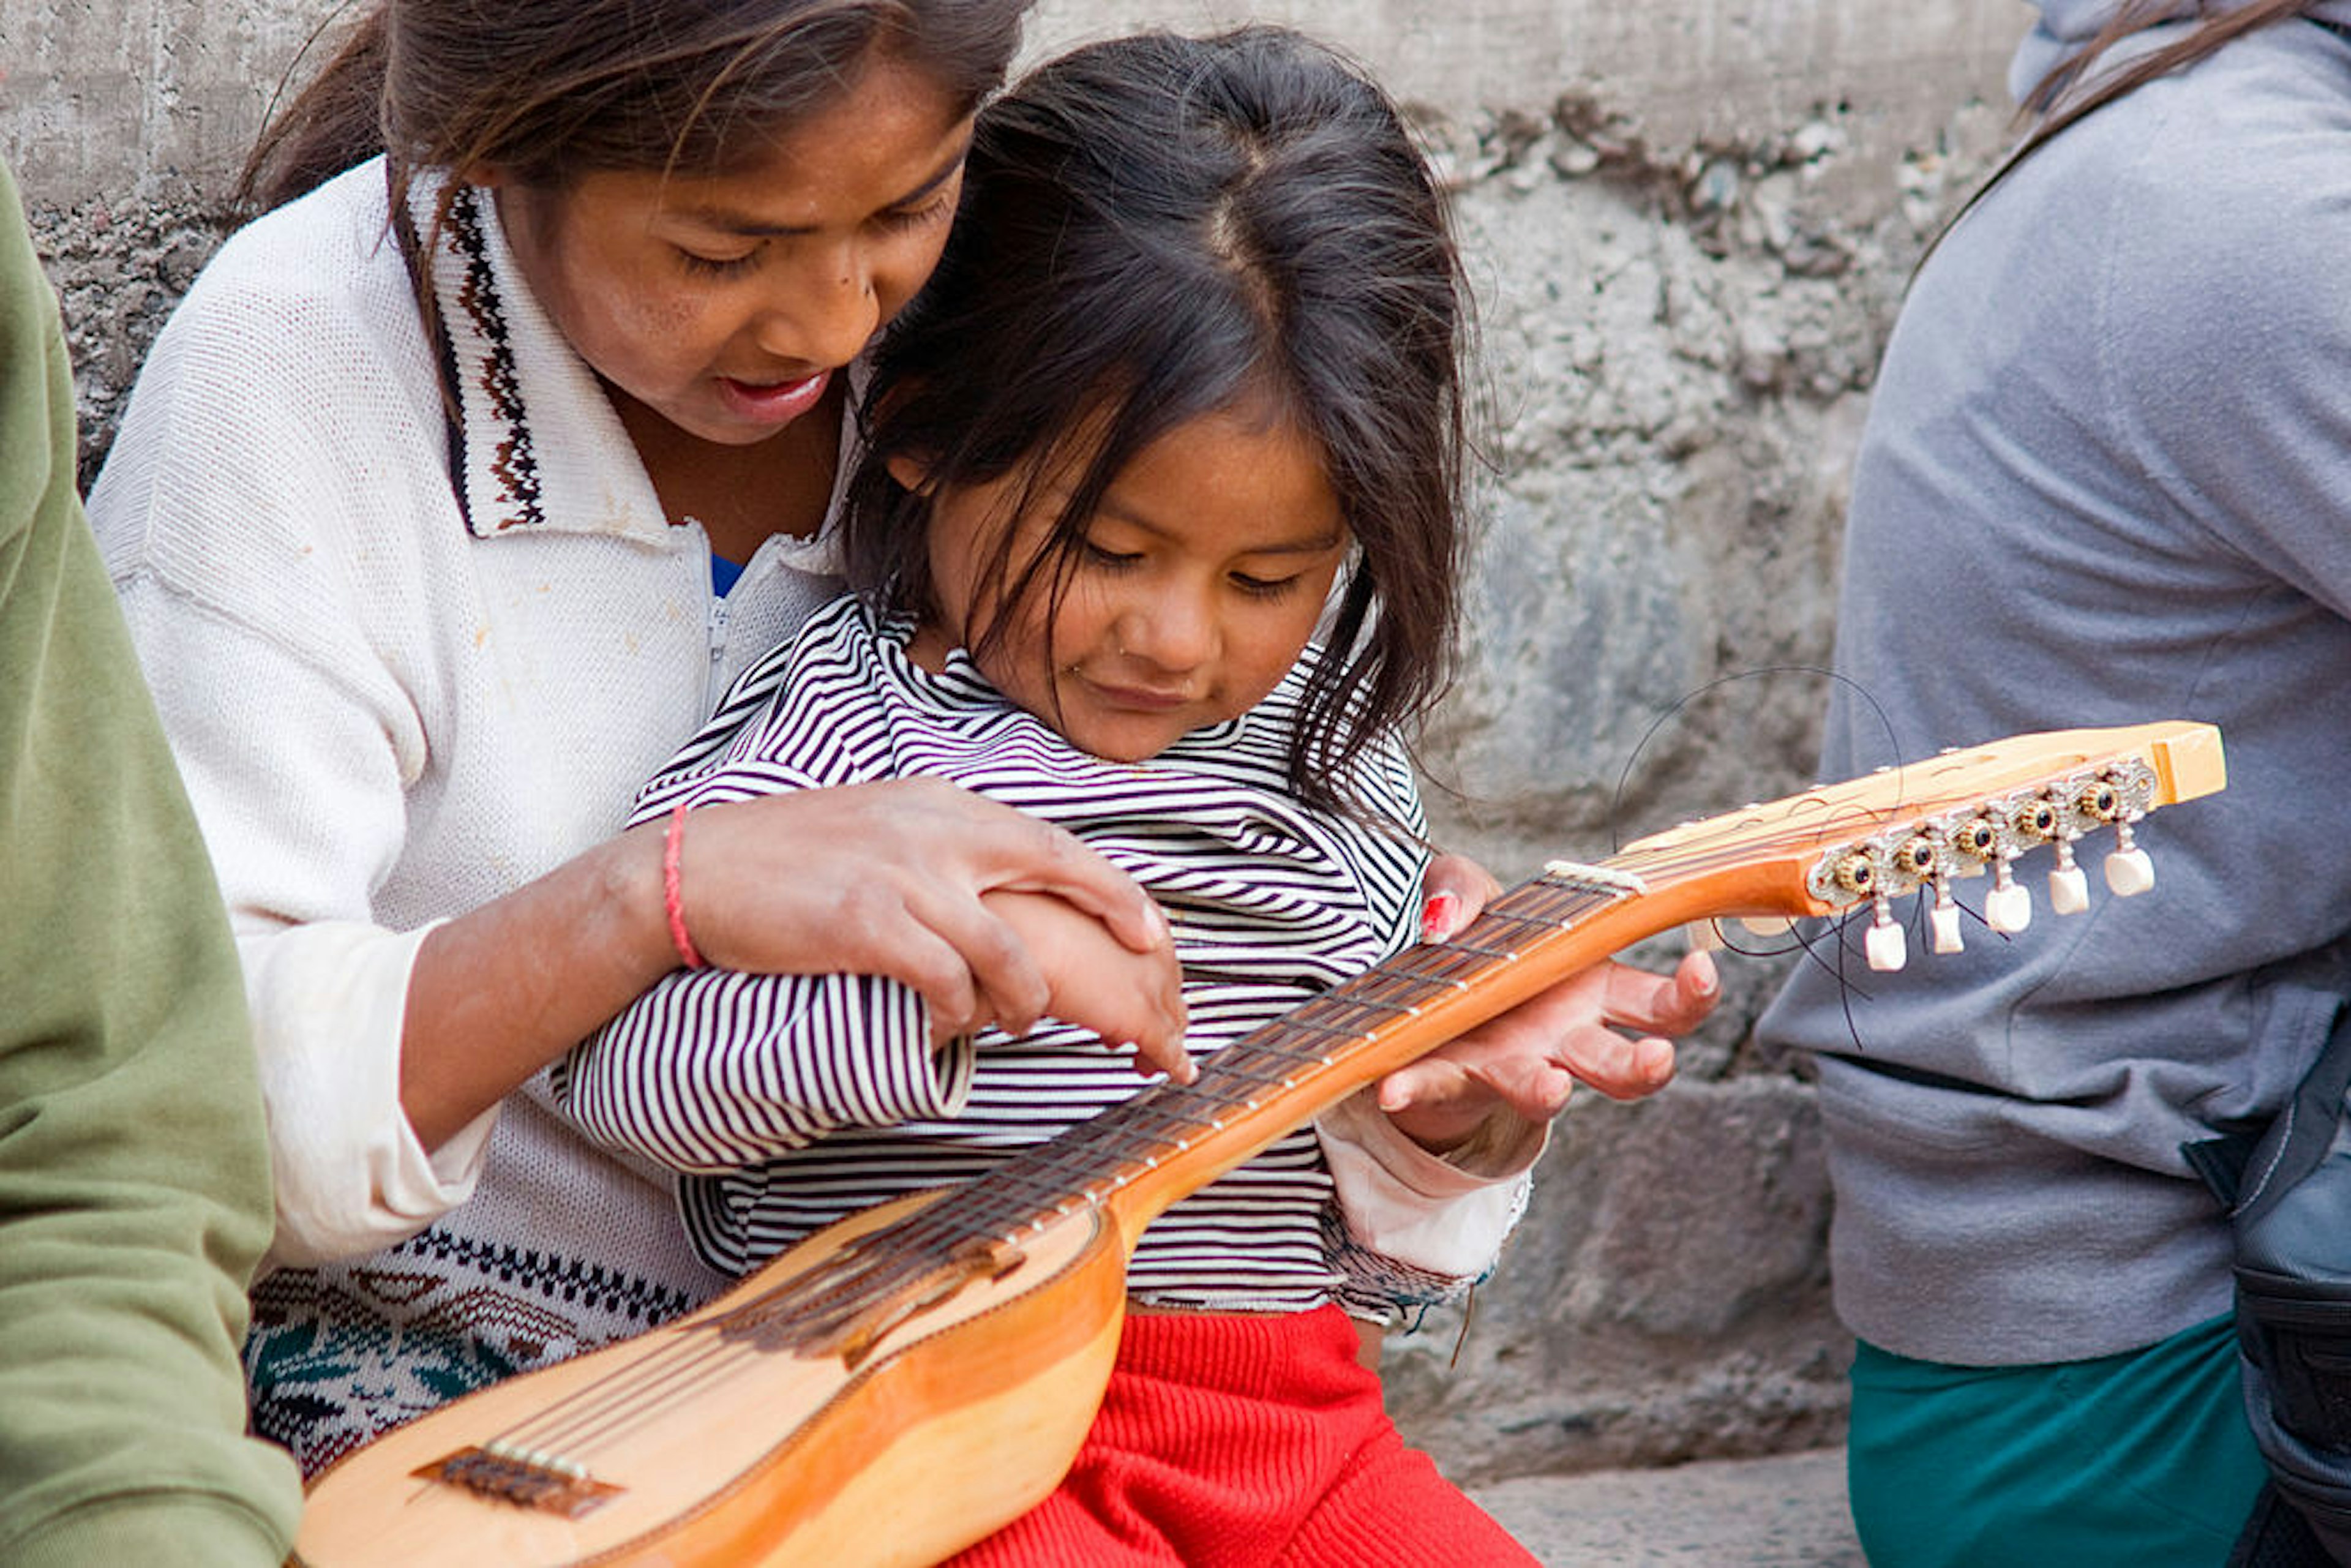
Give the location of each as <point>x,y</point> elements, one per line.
<point>1155,228</point>
<point>2074,87</point>
<point>546,92</point>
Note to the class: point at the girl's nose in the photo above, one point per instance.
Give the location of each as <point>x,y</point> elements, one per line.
<point>827,312</point>
<point>1170,628</point>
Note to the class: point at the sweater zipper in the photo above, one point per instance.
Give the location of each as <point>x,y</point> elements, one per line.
<point>714,627</point>
<point>713,686</point>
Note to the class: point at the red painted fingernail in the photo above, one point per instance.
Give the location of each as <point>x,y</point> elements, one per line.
<point>1435,914</point>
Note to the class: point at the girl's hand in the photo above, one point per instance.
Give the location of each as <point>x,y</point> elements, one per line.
<point>1096,984</point>
<point>890,879</point>
<point>1526,1061</point>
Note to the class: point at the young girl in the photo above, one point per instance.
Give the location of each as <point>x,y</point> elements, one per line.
<point>1184,384</point>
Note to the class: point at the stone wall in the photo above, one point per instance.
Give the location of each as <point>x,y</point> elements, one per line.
<point>1689,222</point>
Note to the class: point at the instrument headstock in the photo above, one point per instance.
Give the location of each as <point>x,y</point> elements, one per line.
<point>1922,826</point>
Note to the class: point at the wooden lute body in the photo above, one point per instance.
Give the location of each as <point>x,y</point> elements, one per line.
<point>910,1380</point>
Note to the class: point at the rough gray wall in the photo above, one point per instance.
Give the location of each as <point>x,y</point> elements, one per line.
<point>1689,222</point>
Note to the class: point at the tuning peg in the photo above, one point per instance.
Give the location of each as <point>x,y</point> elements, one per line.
<point>1767,925</point>
<point>1943,919</point>
<point>1885,945</point>
<point>2069,888</point>
<point>2008,907</point>
<point>2128,871</point>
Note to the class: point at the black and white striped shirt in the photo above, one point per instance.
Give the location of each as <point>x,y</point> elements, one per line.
<point>793,1100</point>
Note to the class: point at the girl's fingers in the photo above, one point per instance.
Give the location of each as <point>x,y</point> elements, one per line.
<point>995,970</point>
<point>1530,1057</point>
<point>1063,866</point>
<point>1661,1004</point>
<point>1619,1068</point>
<point>1166,1054</point>
<point>1454,888</point>
<point>984,845</point>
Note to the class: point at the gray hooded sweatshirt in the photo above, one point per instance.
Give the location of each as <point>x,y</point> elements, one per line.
<point>2107,479</point>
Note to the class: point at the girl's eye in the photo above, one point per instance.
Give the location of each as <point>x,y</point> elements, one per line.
<point>1108,559</point>
<point>719,265</point>
<point>941,205</point>
<point>1266,587</point>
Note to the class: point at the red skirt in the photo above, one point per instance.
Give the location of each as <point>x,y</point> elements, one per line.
<point>1255,1440</point>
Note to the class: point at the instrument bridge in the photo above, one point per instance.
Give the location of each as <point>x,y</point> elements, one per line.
<point>524,1476</point>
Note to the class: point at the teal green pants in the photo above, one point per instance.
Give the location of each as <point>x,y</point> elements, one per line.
<point>2141,1460</point>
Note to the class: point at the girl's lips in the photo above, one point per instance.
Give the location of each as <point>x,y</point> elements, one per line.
<point>1140,699</point>
<point>772,402</point>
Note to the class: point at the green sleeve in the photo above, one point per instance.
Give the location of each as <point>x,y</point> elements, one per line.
<point>134,1172</point>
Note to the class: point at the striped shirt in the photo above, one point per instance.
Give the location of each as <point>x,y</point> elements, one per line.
<point>794,1101</point>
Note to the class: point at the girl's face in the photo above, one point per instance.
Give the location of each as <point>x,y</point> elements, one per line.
<point>1200,579</point>
<point>723,303</point>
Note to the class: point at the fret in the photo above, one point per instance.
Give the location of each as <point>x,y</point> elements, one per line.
<point>1275,1075</point>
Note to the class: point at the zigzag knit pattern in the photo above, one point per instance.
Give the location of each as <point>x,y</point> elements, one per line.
<point>337,1359</point>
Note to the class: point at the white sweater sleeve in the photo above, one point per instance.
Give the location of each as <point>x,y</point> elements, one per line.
<point>238,541</point>
<point>298,784</point>
<point>351,1178</point>
<point>1444,1217</point>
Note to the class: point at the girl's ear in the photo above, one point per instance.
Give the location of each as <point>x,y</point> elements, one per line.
<point>910,472</point>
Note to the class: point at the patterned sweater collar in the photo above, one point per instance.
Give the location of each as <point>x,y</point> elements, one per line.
<point>534,443</point>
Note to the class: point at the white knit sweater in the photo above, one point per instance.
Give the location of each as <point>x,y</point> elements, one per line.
<point>396,697</point>
<point>391,709</point>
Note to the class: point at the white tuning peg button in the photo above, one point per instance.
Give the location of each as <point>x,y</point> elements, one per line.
<point>2069,891</point>
<point>2008,908</point>
<point>1767,925</point>
<point>1887,948</point>
<point>2129,872</point>
<point>1943,919</point>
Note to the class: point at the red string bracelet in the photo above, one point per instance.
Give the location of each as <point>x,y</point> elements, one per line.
<point>673,846</point>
